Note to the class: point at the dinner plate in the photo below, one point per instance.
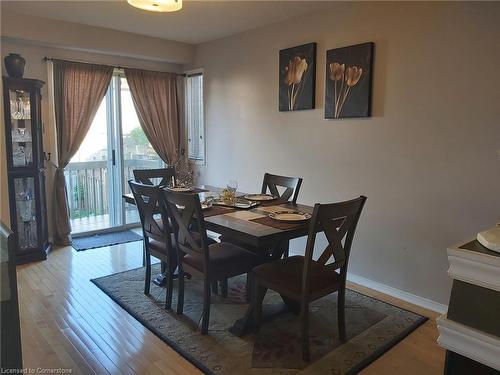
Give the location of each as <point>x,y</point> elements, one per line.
<point>290,216</point>
<point>180,189</point>
<point>260,197</point>
<point>238,204</point>
<point>245,204</point>
<point>203,206</point>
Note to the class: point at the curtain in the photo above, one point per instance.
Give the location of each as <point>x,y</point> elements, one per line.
<point>155,99</point>
<point>78,91</point>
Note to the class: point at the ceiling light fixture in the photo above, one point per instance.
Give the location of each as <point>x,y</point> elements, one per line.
<point>157,5</point>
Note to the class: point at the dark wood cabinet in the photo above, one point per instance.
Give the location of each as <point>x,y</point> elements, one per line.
<point>25,165</point>
<point>10,327</point>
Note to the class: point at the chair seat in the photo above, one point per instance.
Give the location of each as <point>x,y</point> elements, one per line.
<point>285,277</point>
<point>226,260</point>
<point>162,247</point>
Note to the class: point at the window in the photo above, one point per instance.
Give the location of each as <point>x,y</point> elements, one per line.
<point>195,116</point>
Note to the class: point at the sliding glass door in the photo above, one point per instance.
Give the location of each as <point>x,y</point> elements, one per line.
<point>98,174</point>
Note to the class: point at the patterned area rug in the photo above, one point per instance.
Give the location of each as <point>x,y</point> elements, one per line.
<point>373,327</point>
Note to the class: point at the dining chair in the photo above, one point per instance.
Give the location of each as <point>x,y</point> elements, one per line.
<point>156,176</point>
<point>302,280</point>
<point>292,185</point>
<point>272,182</point>
<point>158,238</point>
<point>166,176</point>
<point>213,262</point>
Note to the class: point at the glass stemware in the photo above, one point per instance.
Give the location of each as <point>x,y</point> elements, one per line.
<point>231,187</point>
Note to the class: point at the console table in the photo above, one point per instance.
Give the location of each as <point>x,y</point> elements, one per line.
<point>470,331</point>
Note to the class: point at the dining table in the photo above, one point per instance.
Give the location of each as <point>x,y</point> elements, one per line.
<point>252,227</point>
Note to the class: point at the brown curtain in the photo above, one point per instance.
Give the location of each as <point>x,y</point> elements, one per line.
<point>155,99</point>
<point>78,91</point>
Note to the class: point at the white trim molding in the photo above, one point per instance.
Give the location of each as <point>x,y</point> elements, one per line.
<point>398,293</point>
<point>474,267</point>
<point>469,342</point>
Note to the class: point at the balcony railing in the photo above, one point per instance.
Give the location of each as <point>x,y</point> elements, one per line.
<point>87,185</point>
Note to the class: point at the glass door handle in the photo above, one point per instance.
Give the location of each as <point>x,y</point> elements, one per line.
<point>113,157</point>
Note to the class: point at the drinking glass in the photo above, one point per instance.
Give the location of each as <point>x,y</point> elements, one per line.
<point>209,200</point>
<point>232,185</point>
<point>230,191</point>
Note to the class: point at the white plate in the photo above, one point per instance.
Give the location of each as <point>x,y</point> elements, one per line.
<point>180,189</point>
<point>260,197</point>
<point>290,216</point>
<point>203,206</point>
<point>245,204</point>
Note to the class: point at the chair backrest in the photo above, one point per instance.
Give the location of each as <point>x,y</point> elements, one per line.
<point>149,201</point>
<point>166,176</point>
<point>291,185</point>
<point>338,221</point>
<point>186,214</point>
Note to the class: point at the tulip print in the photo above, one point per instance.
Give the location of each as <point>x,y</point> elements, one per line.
<point>345,79</point>
<point>297,67</point>
<point>295,70</point>
<point>348,81</point>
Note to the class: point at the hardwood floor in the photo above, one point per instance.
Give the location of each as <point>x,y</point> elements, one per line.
<point>67,322</point>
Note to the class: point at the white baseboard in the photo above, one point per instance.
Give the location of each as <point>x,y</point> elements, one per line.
<point>398,293</point>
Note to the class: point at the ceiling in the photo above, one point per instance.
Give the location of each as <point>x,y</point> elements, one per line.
<point>197,22</point>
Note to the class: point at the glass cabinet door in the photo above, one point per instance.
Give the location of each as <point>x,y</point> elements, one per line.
<point>24,188</point>
<point>21,128</point>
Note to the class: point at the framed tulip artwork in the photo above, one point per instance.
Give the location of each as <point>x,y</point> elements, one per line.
<point>297,84</point>
<point>348,83</point>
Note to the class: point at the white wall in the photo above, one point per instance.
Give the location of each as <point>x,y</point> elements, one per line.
<point>428,157</point>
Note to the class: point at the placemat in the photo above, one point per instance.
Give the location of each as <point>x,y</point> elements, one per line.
<point>266,220</point>
<point>217,210</point>
<point>194,190</point>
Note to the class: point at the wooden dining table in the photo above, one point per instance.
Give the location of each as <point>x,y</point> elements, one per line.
<point>252,227</point>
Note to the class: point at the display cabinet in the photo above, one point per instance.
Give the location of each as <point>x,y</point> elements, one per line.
<point>25,165</point>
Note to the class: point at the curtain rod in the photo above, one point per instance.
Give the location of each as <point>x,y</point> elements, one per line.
<point>113,66</point>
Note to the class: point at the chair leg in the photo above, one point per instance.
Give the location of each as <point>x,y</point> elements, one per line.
<point>341,313</point>
<point>143,253</point>
<point>249,288</point>
<point>304,328</point>
<point>206,307</point>
<point>147,280</point>
<point>169,287</point>
<point>180,291</point>
<point>223,287</point>
<point>215,287</point>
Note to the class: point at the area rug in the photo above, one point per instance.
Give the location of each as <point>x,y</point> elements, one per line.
<point>104,239</point>
<point>373,327</point>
